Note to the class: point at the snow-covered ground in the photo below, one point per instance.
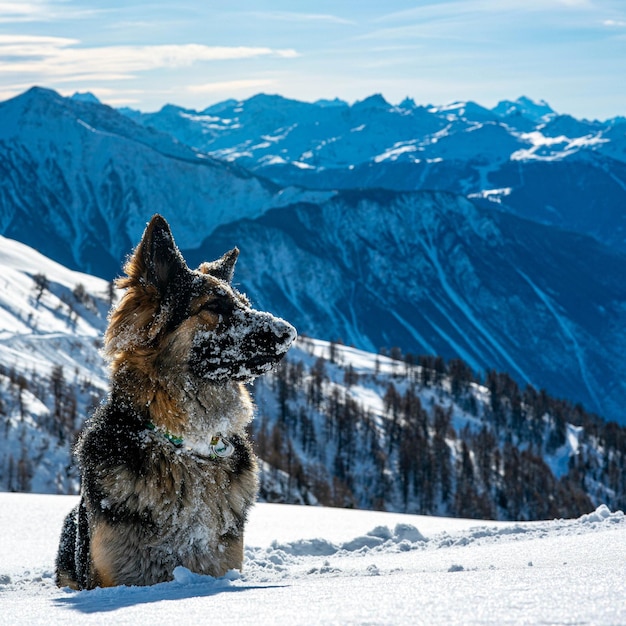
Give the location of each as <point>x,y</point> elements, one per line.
<point>310,565</point>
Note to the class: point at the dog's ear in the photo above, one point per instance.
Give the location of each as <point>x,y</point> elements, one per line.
<point>156,260</point>
<point>223,268</point>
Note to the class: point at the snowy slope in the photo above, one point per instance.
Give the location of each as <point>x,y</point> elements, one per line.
<point>321,566</point>
<point>51,373</point>
<point>421,436</point>
<point>79,181</point>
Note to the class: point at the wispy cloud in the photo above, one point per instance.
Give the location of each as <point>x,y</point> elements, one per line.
<point>42,11</point>
<point>58,58</point>
<point>19,11</point>
<point>460,8</point>
<point>478,21</point>
<point>294,16</point>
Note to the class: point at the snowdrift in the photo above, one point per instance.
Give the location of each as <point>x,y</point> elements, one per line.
<point>311,565</point>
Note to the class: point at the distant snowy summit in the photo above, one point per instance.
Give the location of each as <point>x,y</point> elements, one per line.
<point>270,133</point>
<point>539,111</point>
<point>85,96</point>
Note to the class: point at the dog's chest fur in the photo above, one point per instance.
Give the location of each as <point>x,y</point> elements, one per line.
<point>192,508</point>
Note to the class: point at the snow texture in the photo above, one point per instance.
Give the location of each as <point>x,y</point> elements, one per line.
<point>310,565</point>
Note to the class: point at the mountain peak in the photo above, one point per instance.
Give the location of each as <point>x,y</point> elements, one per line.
<point>375,101</point>
<point>335,102</point>
<point>219,107</point>
<point>408,103</point>
<point>266,100</point>
<point>467,109</point>
<point>85,96</point>
<point>537,111</point>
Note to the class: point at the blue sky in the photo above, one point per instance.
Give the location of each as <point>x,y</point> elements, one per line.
<point>144,54</point>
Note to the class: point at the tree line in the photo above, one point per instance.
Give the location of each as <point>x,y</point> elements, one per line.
<point>447,442</point>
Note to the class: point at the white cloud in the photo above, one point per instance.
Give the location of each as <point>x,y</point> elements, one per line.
<point>42,10</point>
<point>58,58</point>
<point>19,11</point>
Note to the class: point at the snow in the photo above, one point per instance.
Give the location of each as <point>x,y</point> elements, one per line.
<point>54,327</point>
<point>495,195</point>
<point>554,148</point>
<point>559,461</point>
<point>311,565</point>
<point>394,152</point>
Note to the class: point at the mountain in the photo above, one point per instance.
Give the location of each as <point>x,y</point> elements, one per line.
<point>334,426</point>
<point>426,272</point>
<point>539,111</point>
<point>432,273</point>
<point>520,155</point>
<point>85,96</point>
<point>79,180</point>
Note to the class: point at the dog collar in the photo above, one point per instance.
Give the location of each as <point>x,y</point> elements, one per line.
<point>219,447</point>
<point>173,439</point>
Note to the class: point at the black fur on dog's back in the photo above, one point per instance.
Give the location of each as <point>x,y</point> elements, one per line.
<point>157,490</point>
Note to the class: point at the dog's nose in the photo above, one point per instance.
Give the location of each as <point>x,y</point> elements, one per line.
<point>286,333</point>
<point>290,333</point>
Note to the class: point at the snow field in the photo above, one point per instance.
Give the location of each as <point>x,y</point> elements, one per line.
<point>310,565</point>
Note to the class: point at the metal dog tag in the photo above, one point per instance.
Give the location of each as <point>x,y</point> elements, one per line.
<point>221,447</point>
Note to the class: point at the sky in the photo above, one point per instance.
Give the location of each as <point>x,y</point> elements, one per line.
<point>193,53</point>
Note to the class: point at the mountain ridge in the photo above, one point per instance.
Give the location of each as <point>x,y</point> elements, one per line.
<point>86,176</point>
<point>491,154</point>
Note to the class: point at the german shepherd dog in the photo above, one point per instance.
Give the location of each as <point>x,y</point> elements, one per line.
<point>168,474</point>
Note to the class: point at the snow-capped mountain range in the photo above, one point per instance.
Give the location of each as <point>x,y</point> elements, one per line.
<point>79,180</point>
<point>521,154</point>
<point>429,272</point>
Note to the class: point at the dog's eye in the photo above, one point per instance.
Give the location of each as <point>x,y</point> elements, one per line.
<point>213,306</point>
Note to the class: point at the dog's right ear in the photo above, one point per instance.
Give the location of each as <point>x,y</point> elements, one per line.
<point>156,261</point>
<point>223,268</point>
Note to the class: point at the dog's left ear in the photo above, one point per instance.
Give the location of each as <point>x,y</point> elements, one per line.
<point>156,260</point>
<point>223,268</point>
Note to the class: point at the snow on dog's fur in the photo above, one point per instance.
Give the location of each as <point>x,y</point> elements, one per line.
<point>168,474</point>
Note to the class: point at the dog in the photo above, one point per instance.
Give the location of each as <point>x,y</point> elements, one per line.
<point>167,472</point>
